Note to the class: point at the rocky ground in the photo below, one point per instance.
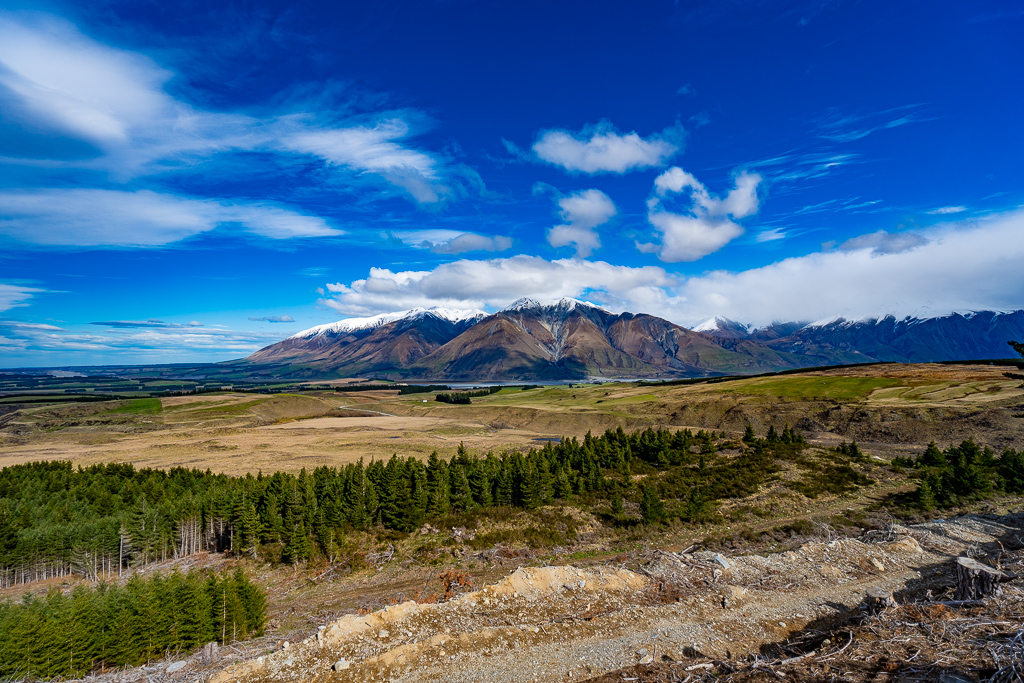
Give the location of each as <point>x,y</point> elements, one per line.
<point>678,617</point>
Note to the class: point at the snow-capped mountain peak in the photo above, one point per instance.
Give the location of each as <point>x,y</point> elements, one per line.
<point>723,327</point>
<point>564,304</point>
<point>522,304</point>
<point>349,325</point>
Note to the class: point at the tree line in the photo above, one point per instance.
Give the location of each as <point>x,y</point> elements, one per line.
<point>100,520</point>
<point>112,626</point>
<point>964,473</point>
<point>465,397</point>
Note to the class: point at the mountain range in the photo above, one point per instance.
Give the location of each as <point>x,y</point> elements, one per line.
<point>571,339</point>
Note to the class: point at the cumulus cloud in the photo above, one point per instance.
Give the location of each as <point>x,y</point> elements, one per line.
<point>94,217</point>
<point>497,283</point>
<point>582,212</point>
<point>707,224</point>
<point>967,266</point>
<point>56,81</point>
<point>600,149</point>
<point>15,295</point>
<point>274,319</point>
<point>964,266</point>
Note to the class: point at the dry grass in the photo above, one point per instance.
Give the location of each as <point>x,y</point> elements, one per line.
<point>891,409</point>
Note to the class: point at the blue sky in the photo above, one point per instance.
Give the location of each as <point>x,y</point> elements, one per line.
<point>184,182</point>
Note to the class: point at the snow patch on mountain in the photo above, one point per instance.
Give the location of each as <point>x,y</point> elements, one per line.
<point>564,304</point>
<point>349,325</point>
<point>717,324</point>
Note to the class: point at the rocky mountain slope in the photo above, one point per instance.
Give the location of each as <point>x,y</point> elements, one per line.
<point>571,339</point>
<point>367,345</point>
<point>568,339</point>
<point>958,336</point>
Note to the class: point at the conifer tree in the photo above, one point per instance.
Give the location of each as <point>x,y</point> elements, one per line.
<point>437,486</point>
<point>504,486</point>
<point>249,532</point>
<point>616,502</point>
<point>932,457</point>
<point>461,495</point>
<point>652,509</point>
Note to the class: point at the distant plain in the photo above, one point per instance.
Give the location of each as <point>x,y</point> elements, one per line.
<point>895,408</point>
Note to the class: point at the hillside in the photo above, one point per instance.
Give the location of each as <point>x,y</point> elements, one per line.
<point>566,340</point>
<point>957,336</point>
<point>574,583</point>
<point>575,340</point>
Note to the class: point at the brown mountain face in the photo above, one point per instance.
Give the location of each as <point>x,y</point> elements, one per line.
<point>529,341</point>
<point>388,348</point>
<point>569,340</point>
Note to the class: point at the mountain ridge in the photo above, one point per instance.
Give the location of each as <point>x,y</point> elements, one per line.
<point>571,339</point>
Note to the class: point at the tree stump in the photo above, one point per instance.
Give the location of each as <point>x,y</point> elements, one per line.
<point>975,580</point>
<point>211,653</point>
<point>877,599</point>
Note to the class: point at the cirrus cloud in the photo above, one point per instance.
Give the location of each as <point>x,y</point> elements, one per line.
<point>55,81</point>
<point>15,295</point>
<point>95,217</point>
<point>274,319</point>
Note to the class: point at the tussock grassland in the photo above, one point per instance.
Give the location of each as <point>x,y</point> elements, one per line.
<point>895,408</point>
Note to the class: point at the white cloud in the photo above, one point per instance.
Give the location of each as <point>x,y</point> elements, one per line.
<point>947,210</point>
<point>92,217</point>
<point>77,85</point>
<point>442,241</point>
<point>707,224</point>
<point>374,149</point>
<point>15,295</point>
<point>739,203</point>
<point>153,323</point>
<point>582,212</point>
<point>37,344</point>
<point>883,242</point>
<point>469,241</point>
<point>498,282</point>
<point>274,319</point>
<point>842,127</point>
<point>599,149</point>
<point>58,80</point>
<point>771,235</point>
<point>275,222</point>
<point>964,266</point>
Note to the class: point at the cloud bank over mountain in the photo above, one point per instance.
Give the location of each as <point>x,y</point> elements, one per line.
<point>947,268</point>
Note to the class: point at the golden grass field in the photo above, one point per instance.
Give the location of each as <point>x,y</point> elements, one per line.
<point>896,407</point>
